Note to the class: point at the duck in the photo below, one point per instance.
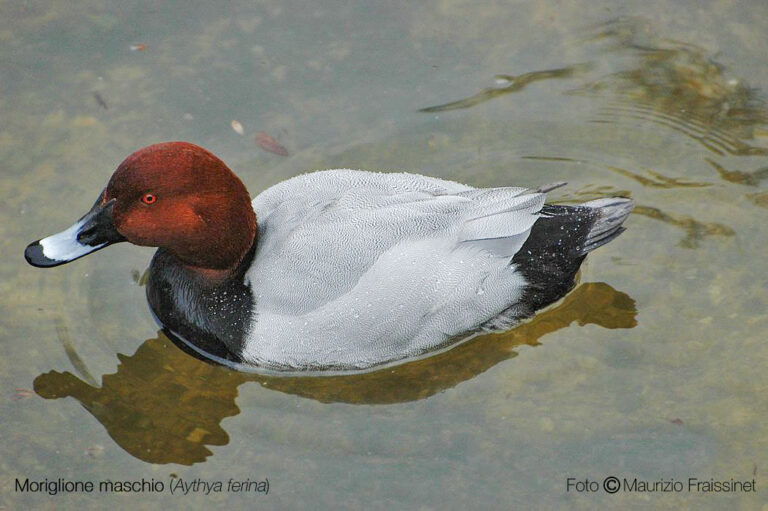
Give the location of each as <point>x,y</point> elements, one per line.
<point>333,270</point>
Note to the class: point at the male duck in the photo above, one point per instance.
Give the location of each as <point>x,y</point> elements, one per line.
<point>338,269</point>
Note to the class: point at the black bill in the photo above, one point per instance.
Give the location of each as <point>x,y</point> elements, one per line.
<point>92,232</point>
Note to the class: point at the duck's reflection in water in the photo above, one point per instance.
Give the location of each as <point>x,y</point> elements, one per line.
<point>163,406</point>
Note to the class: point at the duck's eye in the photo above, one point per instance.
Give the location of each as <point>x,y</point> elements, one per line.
<point>149,198</point>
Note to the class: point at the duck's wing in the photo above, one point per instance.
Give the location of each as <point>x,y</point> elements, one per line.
<point>500,219</point>
<point>320,233</point>
<point>329,185</point>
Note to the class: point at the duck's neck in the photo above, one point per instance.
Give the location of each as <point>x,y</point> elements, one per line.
<point>224,235</point>
<point>211,309</point>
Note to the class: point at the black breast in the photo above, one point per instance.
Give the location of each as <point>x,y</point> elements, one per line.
<point>214,318</point>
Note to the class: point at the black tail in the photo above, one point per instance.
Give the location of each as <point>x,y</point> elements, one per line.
<point>559,241</point>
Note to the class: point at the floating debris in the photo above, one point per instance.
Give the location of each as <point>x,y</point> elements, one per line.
<point>140,278</point>
<point>508,84</point>
<point>138,47</point>
<point>237,127</point>
<point>94,451</point>
<point>266,142</point>
<point>19,393</point>
<point>100,100</point>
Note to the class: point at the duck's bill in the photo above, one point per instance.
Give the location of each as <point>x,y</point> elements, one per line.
<point>92,232</point>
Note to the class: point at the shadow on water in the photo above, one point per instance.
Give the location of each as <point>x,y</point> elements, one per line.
<point>678,86</point>
<point>695,230</point>
<point>759,199</point>
<point>507,84</point>
<point>668,83</point>
<point>163,406</point>
<point>740,177</point>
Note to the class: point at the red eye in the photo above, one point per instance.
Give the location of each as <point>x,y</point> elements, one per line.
<point>148,199</point>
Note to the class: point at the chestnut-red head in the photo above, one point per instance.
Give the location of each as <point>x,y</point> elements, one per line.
<point>174,195</point>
